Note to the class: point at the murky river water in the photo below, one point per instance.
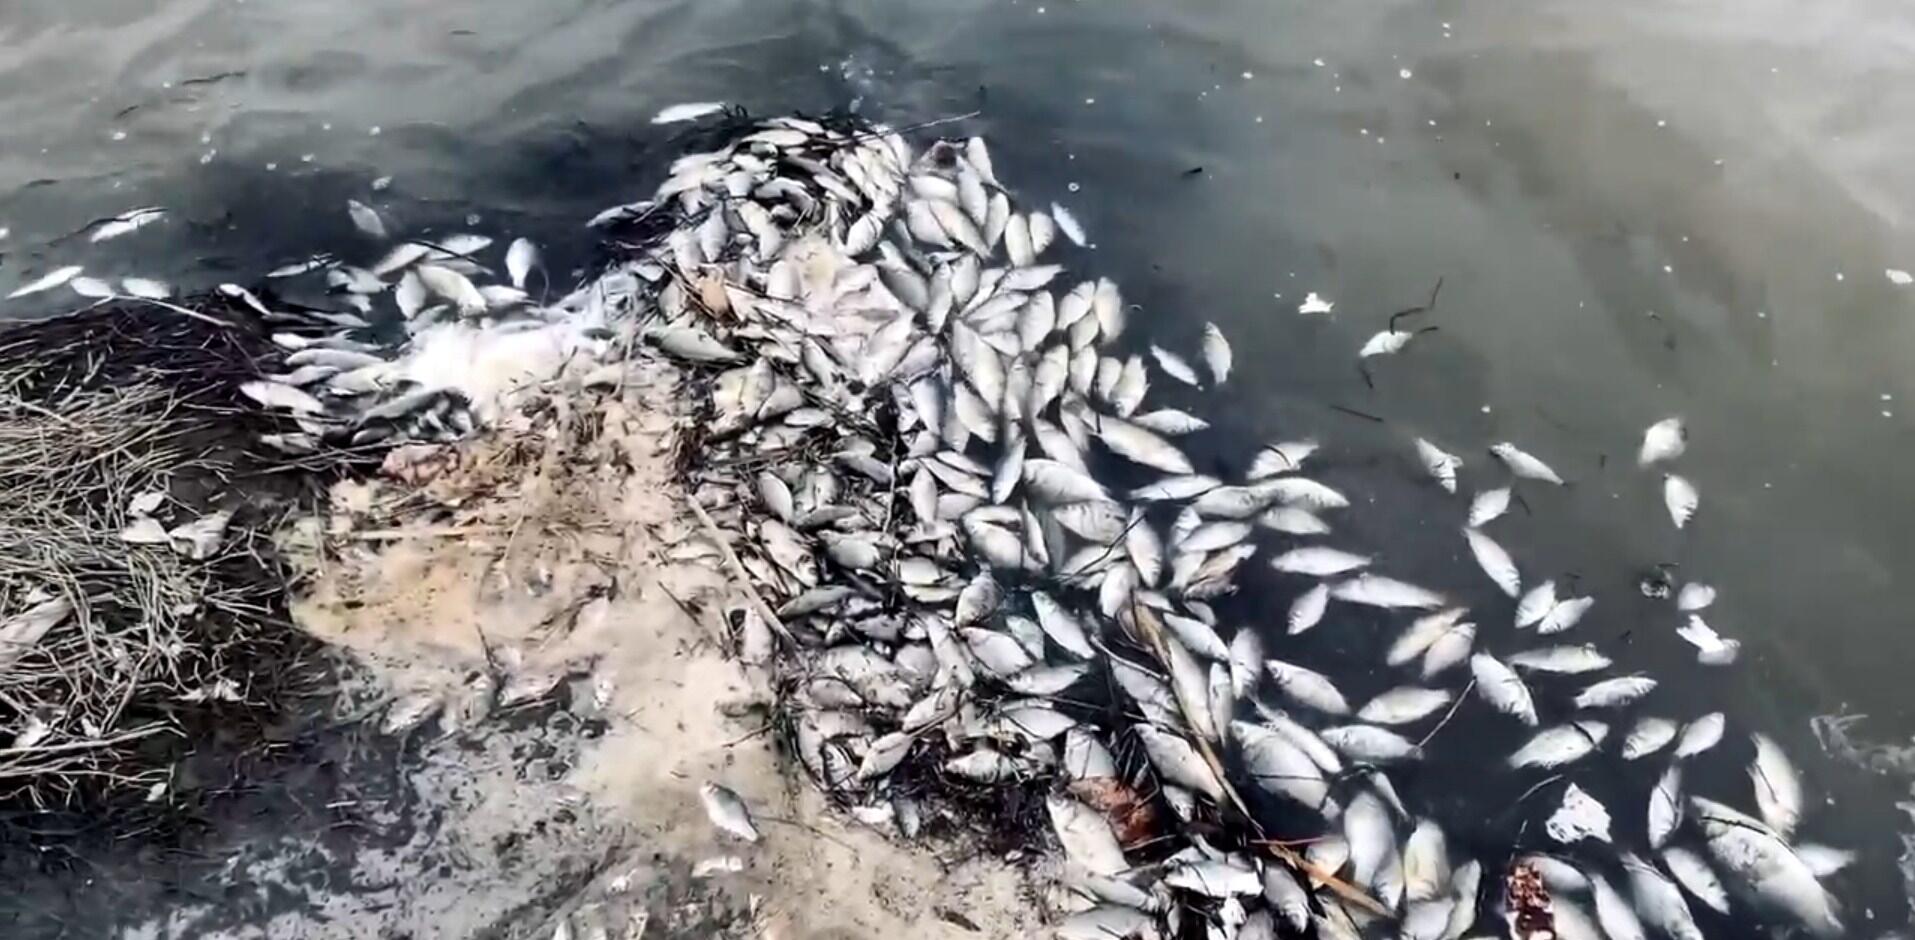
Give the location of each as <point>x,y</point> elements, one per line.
<point>1637,209</point>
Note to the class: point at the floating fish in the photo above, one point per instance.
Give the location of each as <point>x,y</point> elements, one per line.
<point>1524,465</point>
<point>1314,304</point>
<point>1712,649</point>
<point>1563,744</point>
<point>1680,496</point>
<point>366,219</point>
<point>687,111</point>
<point>48,281</point>
<point>1494,561</point>
<point>1502,688</point>
<point>1308,608</point>
<point>1664,441</point>
<point>520,258</point>
<point>1488,505</point>
<point>1778,790</point>
<point>1440,464</point>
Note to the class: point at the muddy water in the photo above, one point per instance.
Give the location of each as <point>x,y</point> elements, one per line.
<point>1636,209</point>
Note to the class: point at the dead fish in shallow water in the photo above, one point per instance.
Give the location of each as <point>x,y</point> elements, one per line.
<point>1665,440</point>
<point>1174,365</point>
<point>1494,561</point>
<point>520,258</point>
<point>1563,744</point>
<point>1764,869</point>
<point>1440,464</point>
<point>48,281</point>
<point>1307,687</point>
<point>1665,806</point>
<point>1375,590</point>
<point>1319,561</point>
<point>1488,505</point>
<point>1700,735</point>
<point>687,111</point>
<point>1696,877</point>
<point>146,288</point>
<point>1280,458</point>
<point>1523,464</point>
<point>1615,693</point>
<point>1307,610</point>
<point>1778,789</point>
<point>275,395</point>
<point>366,219</point>
<point>1216,353</point>
<point>1681,499</point>
<point>1650,735</point>
<point>91,287</point>
<point>1402,706</point>
<point>1502,688</point>
<point>728,811</point>
<point>1711,648</point>
<point>1563,660</point>
<point>1536,605</point>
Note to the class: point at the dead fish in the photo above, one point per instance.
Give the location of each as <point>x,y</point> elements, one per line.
<point>1315,304</point>
<point>1170,421</point>
<point>1524,465</point>
<point>1216,354</point>
<point>146,288</point>
<point>728,811</point>
<point>1440,464</point>
<point>1402,706</point>
<point>91,287</point>
<point>1488,505</point>
<point>1319,561</point>
<point>1142,447</point>
<point>1681,499</point>
<point>1778,789</point>
<point>1565,660</point>
<point>1374,590</point>
<point>1502,688</point>
<point>1178,762</point>
<point>1564,615</point>
<point>1663,441</point>
<point>1765,871</point>
<point>687,111</point>
<point>1494,561</point>
<point>1418,636</point>
<point>1308,608</point>
<point>1293,521</point>
<point>48,281</point>
<point>1086,836</point>
<point>1307,687</point>
<point>366,219</point>
<point>275,395</point>
<point>1450,649</point>
<point>1700,735</point>
<point>1665,806</point>
<point>1536,605</point>
<point>1560,745</point>
<point>1712,649</point>
<point>1175,366</point>
<point>1280,458</point>
<point>1648,736</point>
<point>452,286</point>
<point>1614,693</point>
<point>1371,744</point>
<point>1696,877</point>
<point>520,258</point>
<point>1695,596</point>
<point>1215,878</point>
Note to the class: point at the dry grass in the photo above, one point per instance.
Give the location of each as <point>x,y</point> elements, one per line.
<point>94,410</point>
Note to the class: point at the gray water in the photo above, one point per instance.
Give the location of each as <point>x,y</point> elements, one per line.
<point>1637,209</point>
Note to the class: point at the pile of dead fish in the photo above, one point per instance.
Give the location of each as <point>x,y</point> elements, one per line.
<point>917,428</point>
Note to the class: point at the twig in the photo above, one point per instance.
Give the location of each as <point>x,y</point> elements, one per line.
<point>1460,696</point>
<point>737,567</point>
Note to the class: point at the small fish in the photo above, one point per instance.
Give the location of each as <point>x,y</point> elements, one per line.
<point>1700,735</point>
<point>1681,498</point>
<point>146,288</point>
<point>1523,464</point>
<point>1564,615</point>
<point>1068,224</point>
<point>1536,605</point>
<point>1402,706</point>
<point>687,111</point>
<point>1307,610</point>
<point>1367,743</point>
<point>1773,876</point>
<point>1319,561</point>
<point>1175,366</point>
<point>1451,648</point>
<point>48,281</point>
<point>1564,660</point>
<point>520,258</point>
<point>1615,693</point>
<point>1665,440</point>
<point>1824,860</point>
<point>1280,458</point>
<point>1494,561</point>
<point>1695,596</point>
<point>1650,735</point>
<point>1178,762</point>
<point>1560,745</point>
<point>1307,687</point>
<point>1388,343</point>
<point>91,287</point>
<point>1314,304</point>
<point>1418,636</point>
<point>1613,912</point>
<point>1440,464</point>
<point>275,395</point>
<point>1712,649</point>
<point>1696,877</point>
<point>1488,505</point>
<point>728,811</point>
<point>1377,591</point>
<point>1216,353</point>
<point>126,223</point>
<point>1502,688</point>
<point>1086,836</point>
<point>366,219</point>
<point>1778,789</point>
